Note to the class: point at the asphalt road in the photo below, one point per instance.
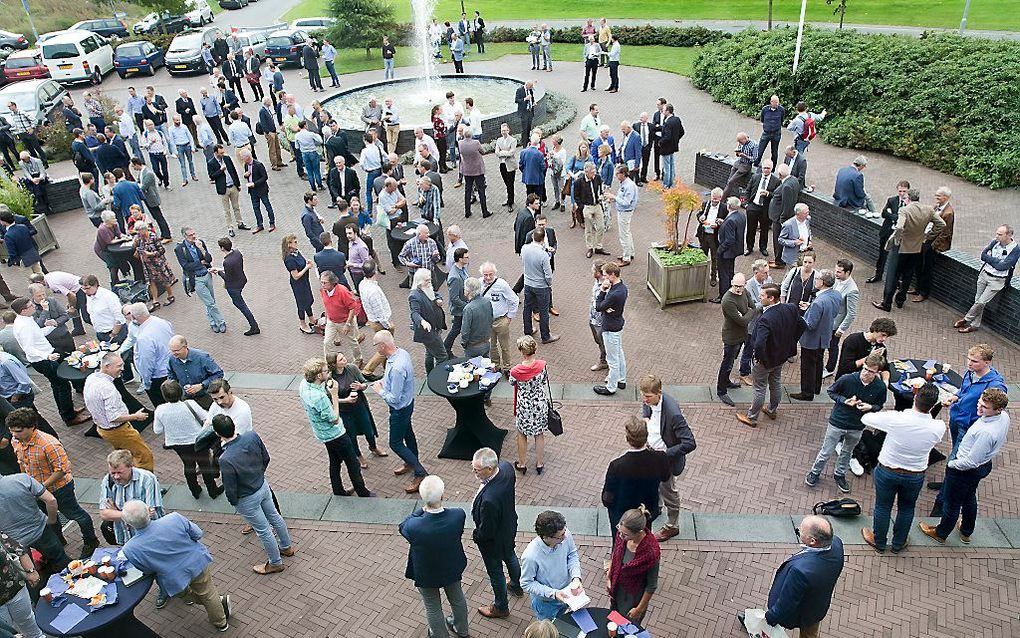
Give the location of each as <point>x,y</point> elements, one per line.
<point>256,14</point>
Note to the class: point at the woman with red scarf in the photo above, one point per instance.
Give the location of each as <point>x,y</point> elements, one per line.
<point>634,569</point>
<point>531,404</point>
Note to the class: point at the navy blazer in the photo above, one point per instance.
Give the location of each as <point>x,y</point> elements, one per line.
<point>532,165</point>
<point>219,175</point>
<point>731,235</point>
<point>109,157</point>
<point>21,248</point>
<point>266,120</point>
<point>493,510</point>
<point>849,191</point>
<point>334,261</point>
<point>436,556</point>
<point>633,479</point>
<point>819,319</point>
<point>669,137</point>
<point>632,150</point>
<point>259,178</point>
<point>802,588</point>
<point>675,433</point>
<point>775,335</point>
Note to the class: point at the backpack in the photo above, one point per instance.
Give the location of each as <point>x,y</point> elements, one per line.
<point>809,131</point>
<point>840,508</point>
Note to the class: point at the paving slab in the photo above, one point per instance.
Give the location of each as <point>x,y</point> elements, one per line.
<point>686,524</point>
<point>1010,528</point>
<point>261,381</point>
<point>178,497</point>
<point>86,490</point>
<point>744,528</point>
<point>380,511</point>
<point>690,393</point>
<point>308,506</point>
<point>581,521</point>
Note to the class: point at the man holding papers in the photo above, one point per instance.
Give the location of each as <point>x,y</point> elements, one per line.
<point>552,557</point>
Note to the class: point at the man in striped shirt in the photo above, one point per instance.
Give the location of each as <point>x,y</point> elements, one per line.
<point>746,152</point>
<point>24,128</point>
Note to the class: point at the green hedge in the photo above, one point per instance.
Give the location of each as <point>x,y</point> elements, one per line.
<point>951,103</point>
<point>633,36</point>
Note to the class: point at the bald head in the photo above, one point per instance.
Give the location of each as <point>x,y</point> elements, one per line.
<point>816,531</point>
<point>738,281</point>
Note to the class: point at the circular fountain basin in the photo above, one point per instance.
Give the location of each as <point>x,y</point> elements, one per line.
<point>493,96</point>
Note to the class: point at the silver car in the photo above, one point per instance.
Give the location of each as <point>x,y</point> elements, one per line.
<point>38,99</point>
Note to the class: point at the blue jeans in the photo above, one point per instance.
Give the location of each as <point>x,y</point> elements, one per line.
<point>388,69</point>
<point>331,67</point>
<point>369,178</point>
<point>800,144</point>
<point>204,290</point>
<point>668,170</point>
<point>20,609</point>
<point>185,160</point>
<point>546,609</point>
<point>613,342</point>
<point>311,162</point>
<point>242,306</point>
<point>730,353</point>
<point>262,515</point>
<point>402,440</point>
<point>494,557</point>
<point>136,148</point>
<point>257,202</point>
<point>959,494</point>
<point>67,504</point>
<point>904,488</point>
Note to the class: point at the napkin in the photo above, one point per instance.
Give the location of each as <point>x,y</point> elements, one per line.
<point>68,619</point>
<point>584,620</point>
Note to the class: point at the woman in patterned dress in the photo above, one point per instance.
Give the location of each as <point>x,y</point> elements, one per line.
<point>531,404</point>
<point>150,251</point>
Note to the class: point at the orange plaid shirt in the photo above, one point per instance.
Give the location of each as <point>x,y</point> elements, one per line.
<point>41,456</point>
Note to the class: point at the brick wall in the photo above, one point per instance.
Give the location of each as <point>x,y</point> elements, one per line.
<point>64,194</point>
<point>955,272</point>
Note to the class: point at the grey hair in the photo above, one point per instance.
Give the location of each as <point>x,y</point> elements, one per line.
<point>186,229</point>
<point>330,276</point>
<point>135,514</point>
<point>759,265</point>
<point>107,215</point>
<point>944,190</point>
<point>827,278</point>
<point>914,194</point>
<point>486,265</point>
<point>799,208</point>
<point>471,287</point>
<point>431,490</point>
<point>717,192</point>
<point>140,224</point>
<point>783,171</point>
<point>110,358</point>
<point>486,457</point>
<point>604,127</point>
<point>733,203</point>
<point>420,276</point>
<point>34,288</point>
<point>860,160</point>
<point>138,310</point>
<point>588,165</point>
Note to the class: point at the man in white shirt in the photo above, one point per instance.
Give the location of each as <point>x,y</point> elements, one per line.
<point>104,310</point>
<point>419,139</point>
<point>899,475</point>
<point>226,402</point>
<point>42,357</point>
<point>973,462</point>
<point>377,310</point>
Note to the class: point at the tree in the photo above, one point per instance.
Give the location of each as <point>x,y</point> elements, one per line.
<point>840,9</point>
<point>361,23</point>
<point>172,7</point>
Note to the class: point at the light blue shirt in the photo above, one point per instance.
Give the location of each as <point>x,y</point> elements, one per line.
<point>626,197</point>
<point>181,136</point>
<point>982,442</point>
<point>328,52</point>
<point>326,425</point>
<point>546,570</point>
<point>206,137</point>
<point>169,548</point>
<point>152,356</point>
<point>210,107</point>
<point>13,376</point>
<point>135,104</point>
<point>398,380</point>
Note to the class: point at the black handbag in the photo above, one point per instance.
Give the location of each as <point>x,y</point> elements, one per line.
<point>840,508</point>
<point>555,422</point>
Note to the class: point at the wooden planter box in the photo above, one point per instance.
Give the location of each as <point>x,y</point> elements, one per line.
<point>676,284</point>
<point>44,238</point>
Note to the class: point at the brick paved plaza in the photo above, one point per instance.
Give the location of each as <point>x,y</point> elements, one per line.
<point>347,578</point>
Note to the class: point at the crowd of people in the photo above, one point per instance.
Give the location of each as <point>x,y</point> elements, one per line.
<point>125,175</point>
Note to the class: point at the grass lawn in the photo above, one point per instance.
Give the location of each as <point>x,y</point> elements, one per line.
<point>1001,15</point>
<point>673,59</point>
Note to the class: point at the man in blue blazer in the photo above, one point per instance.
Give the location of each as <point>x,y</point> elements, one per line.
<point>532,165</point>
<point>630,151</point>
<point>495,517</point>
<point>795,235</point>
<point>436,558</point>
<point>802,588</point>
<point>125,195</point>
<point>849,191</point>
<point>773,341</point>
<point>819,319</point>
<point>730,236</point>
<point>603,138</point>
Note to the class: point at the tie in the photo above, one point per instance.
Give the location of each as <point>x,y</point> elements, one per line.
<point>644,135</point>
<point>903,203</point>
<point>761,187</point>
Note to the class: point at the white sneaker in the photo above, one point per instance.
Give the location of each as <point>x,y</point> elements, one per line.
<point>827,374</point>
<point>856,468</point>
<point>874,215</point>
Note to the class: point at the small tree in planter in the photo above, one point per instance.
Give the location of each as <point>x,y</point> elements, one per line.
<point>17,198</point>
<point>677,272</point>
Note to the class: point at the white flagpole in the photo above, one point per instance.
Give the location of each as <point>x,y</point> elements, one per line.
<point>800,35</point>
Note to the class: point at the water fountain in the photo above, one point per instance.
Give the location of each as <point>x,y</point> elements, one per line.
<point>414,96</point>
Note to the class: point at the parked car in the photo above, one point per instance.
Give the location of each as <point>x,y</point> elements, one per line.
<point>311,25</point>
<point>284,46</point>
<point>161,23</point>
<point>25,65</point>
<point>38,99</point>
<point>12,41</point>
<point>78,56</point>
<point>233,4</point>
<point>106,27</point>
<point>185,52</point>
<point>199,13</point>
<point>138,57</point>
<point>256,41</point>
<point>49,36</point>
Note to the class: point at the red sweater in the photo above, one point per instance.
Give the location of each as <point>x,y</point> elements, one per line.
<point>340,304</point>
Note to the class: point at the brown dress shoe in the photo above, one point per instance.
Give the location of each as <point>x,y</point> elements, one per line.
<point>960,323</point>
<point>288,552</point>
<point>247,529</point>
<point>746,380</point>
<point>666,533</point>
<point>746,420</point>
<point>554,312</point>
<point>769,413</point>
<point>78,419</point>
<point>412,487</point>
<point>268,568</point>
<point>929,531</point>
<point>869,537</point>
<point>403,469</point>
<point>919,298</point>
<point>599,366</point>
<point>490,611</point>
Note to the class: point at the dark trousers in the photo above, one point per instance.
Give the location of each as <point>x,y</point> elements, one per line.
<point>195,462</point>
<point>774,139</point>
<point>494,556</point>
<point>34,147</point>
<point>710,246</point>
<point>475,183</point>
<point>730,353</point>
<point>164,228</point>
<point>451,336</point>
<point>959,496</point>
<point>299,164</point>
<point>527,117</point>
<point>10,150</point>
<point>61,388</point>
<point>442,148</point>
<point>646,154</point>
<point>331,67</point>
<point>217,126</point>
<point>811,370</point>
<point>159,167</point>
<point>435,350</point>
<point>480,41</point>
<point>596,334</point>
<point>458,66</point>
<point>591,70</point>
<point>341,450</point>
<point>902,266</point>
<point>925,268</point>
<point>235,83</point>
<point>537,300</point>
<point>883,238</point>
<point>40,197</point>
<point>154,393</point>
<point>830,363</point>
<point>537,189</point>
<point>777,250</point>
<point>727,266</point>
<point>67,504</point>
<point>508,181</point>
<point>257,202</point>
<point>757,224</point>
<point>242,306</point>
<point>614,75</point>
<point>402,440</point>
<point>314,81</point>
<point>52,549</point>
<point>738,179</point>
<point>658,161</point>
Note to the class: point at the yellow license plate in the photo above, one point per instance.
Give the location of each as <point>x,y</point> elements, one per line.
<point>176,66</point>
<point>135,69</point>
<point>280,59</point>
<point>64,67</point>
<point>23,73</point>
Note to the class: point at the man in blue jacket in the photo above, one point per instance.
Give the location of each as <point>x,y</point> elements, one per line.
<point>630,149</point>
<point>849,191</point>
<point>532,165</point>
<point>821,314</point>
<point>125,195</point>
<point>436,557</point>
<point>802,589</point>
<point>999,257</point>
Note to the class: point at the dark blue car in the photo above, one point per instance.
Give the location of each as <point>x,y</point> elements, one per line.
<point>138,57</point>
<point>284,47</point>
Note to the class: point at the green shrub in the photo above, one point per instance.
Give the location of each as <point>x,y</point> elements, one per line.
<point>16,197</point>
<point>161,40</point>
<point>632,36</point>
<point>950,103</point>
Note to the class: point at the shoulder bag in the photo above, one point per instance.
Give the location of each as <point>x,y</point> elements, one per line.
<point>555,422</point>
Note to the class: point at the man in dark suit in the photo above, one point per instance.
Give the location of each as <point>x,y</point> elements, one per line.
<point>784,199</point>
<point>428,320</point>
<point>773,341</point>
<point>657,119</point>
<point>109,157</point>
<point>646,133</point>
<point>525,222</point>
<point>731,243</point>
<point>759,195</point>
<point>186,108</point>
<point>525,98</point>
<point>310,62</point>
<point>257,179</point>
<point>633,478</point>
<point>342,181</point>
<point>331,259</point>
<point>436,557</point>
<point>233,70</point>
<point>224,175</point>
<point>495,517</point>
<point>667,432</point>
<point>802,588</point>
<point>798,165</point>
<point>890,213</point>
<point>669,143</point>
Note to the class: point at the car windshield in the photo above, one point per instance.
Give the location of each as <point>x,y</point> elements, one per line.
<point>280,41</point>
<point>186,43</point>
<point>130,51</point>
<point>59,51</point>
<point>21,63</point>
<point>25,101</point>
<point>152,17</point>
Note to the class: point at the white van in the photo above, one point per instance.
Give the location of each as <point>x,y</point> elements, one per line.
<point>77,56</point>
